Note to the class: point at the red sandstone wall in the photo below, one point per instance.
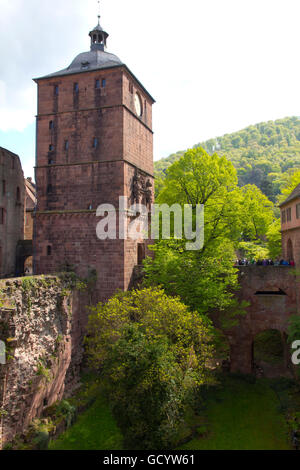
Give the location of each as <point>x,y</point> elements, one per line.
<point>81,176</point>
<point>265,312</point>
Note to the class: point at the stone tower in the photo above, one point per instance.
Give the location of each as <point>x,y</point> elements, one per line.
<point>94,144</point>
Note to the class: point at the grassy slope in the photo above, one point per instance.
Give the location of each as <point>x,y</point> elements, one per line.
<point>95,429</point>
<point>243,416</point>
<point>240,416</point>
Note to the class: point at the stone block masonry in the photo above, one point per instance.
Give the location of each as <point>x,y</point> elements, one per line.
<point>41,322</point>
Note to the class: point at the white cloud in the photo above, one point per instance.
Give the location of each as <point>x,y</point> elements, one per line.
<point>213,66</point>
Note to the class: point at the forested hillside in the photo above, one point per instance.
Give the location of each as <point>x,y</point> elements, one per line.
<point>264,154</point>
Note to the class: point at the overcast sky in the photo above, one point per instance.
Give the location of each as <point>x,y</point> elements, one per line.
<point>213,66</point>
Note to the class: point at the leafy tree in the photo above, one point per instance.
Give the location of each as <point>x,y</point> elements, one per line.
<point>153,353</point>
<point>257,152</point>
<point>291,182</point>
<point>274,239</point>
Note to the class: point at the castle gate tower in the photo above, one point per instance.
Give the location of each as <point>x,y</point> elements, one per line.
<point>94,144</point>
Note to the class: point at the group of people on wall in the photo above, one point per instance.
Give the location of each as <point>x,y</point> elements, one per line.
<point>264,262</point>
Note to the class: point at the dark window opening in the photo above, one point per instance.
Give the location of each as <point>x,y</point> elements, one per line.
<point>289,214</point>
<point>18,194</point>
<point>50,161</point>
<point>51,148</point>
<point>49,189</point>
<point>95,143</point>
<point>66,145</point>
<point>2,215</point>
<point>85,65</point>
<point>141,253</point>
<point>51,125</point>
<point>298,211</point>
<point>45,402</point>
<point>283,217</point>
<point>76,88</point>
<point>103,82</point>
<point>56,90</point>
<point>49,250</point>
<point>278,292</point>
<point>97,84</point>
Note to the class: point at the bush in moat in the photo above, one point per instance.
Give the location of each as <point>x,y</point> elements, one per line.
<point>152,353</point>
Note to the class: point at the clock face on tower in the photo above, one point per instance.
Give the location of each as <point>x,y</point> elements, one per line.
<point>138,104</point>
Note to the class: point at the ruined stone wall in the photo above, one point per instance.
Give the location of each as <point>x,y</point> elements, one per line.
<point>41,322</point>
<point>11,210</point>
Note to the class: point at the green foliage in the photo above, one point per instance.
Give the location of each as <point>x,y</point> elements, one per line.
<point>153,351</point>
<point>43,371</point>
<point>204,281</point>
<point>294,328</point>
<point>262,154</point>
<point>242,415</point>
<point>274,239</point>
<point>291,180</point>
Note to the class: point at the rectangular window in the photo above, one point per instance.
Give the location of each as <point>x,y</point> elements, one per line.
<point>51,148</point>
<point>97,84</point>
<point>298,211</point>
<point>51,125</point>
<point>103,82</point>
<point>76,88</point>
<point>95,143</point>
<point>289,214</point>
<point>56,90</point>
<point>283,217</point>
<point>66,145</point>
<point>2,216</point>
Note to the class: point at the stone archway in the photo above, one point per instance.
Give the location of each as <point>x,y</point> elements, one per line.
<point>270,353</point>
<point>271,293</point>
<point>24,251</point>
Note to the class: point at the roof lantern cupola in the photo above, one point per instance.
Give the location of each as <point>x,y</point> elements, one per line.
<point>98,37</point>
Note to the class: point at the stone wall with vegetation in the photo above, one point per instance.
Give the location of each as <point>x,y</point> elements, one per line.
<point>38,320</point>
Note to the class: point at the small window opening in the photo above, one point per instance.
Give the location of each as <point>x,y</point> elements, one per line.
<point>76,88</point>
<point>51,148</point>
<point>103,82</point>
<point>95,143</point>
<point>97,84</point>
<point>51,125</point>
<point>2,216</point>
<point>49,250</point>
<point>49,189</point>
<point>56,90</point>
<point>66,145</point>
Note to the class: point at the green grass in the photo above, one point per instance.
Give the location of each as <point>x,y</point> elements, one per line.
<point>243,416</point>
<point>95,429</point>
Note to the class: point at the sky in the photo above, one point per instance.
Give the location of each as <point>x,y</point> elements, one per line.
<point>213,66</point>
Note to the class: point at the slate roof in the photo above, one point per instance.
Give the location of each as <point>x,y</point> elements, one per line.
<point>87,61</point>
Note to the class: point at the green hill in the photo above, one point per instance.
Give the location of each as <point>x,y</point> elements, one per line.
<point>263,154</point>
